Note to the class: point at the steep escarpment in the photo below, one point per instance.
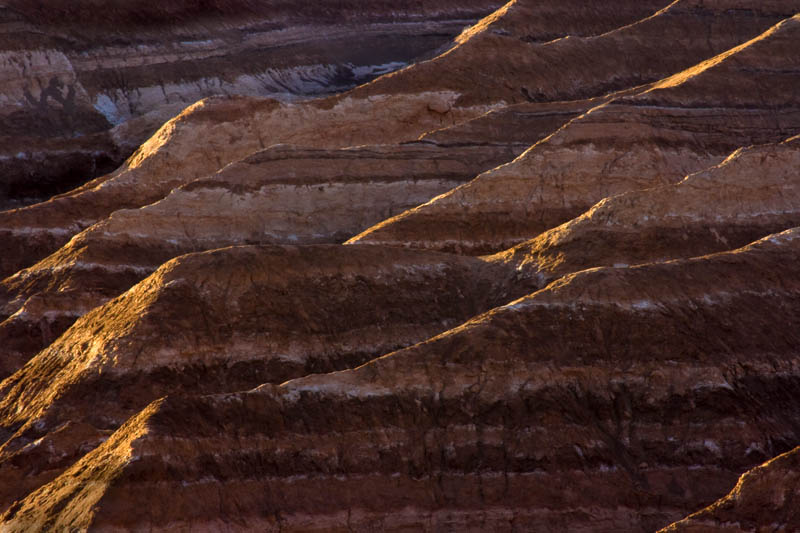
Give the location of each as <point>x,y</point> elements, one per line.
<point>613,399</point>
<point>228,320</point>
<point>630,143</point>
<point>754,192</point>
<point>72,71</point>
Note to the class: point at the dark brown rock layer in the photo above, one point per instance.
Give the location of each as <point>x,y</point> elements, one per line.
<point>681,125</point>
<point>417,100</point>
<point>282,195</point>
<point>228,320</point>
<point>614,399</point>
<point>617,369</point>
<point>73,70</point>
<point>755,192</point>
<point>764,499</point>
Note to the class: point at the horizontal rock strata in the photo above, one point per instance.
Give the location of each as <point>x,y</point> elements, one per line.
<point>764,498</point>
<point>683,124</point>
<point>228,320</point>
<point>755,192</point>
<point>613,399</point>
<point>400,107</point>
<point>79,68</point>
<point>186,345</point>
<point>282,195</point>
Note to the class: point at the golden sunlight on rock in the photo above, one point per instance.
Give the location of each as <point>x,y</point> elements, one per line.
<point>399,266</point>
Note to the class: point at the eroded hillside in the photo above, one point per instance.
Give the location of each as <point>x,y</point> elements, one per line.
<point>543,278</point>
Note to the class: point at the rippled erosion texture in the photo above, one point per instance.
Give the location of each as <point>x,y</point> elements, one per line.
<point>400,266</point>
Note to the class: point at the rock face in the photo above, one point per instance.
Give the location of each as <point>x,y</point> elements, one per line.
<point>71,72</point>
<point>281,195</point>
<point>396,108</point>
<point>595,386</point>
<point>630,143</point>
<point>754,192</point>
<point>229,320</point>
<point>545,278</point>
<point>33,232</point>
<point>765,496</point>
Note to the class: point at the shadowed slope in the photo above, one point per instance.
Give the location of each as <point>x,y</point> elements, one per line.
<point>765,499</point>
<point>755,192</point>
<point>282,195</point>
<point>223,321</point>
<point>613,399</point>
<point>399,108</point>
<point>688,122</point>
<point>86,82</point>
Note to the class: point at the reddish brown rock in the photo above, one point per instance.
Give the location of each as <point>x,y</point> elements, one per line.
<point>755,192</point>
<point>72,70</point>
<point>765,499</point>
<point>223,321</point>
<point>401,107</point>
<point>610,56</point>
<point>284,194</point>
<point>685,123</point>
<point>615,399</point>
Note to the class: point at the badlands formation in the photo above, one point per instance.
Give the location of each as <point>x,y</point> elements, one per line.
<point>86,82</point>
<point>545,278</point>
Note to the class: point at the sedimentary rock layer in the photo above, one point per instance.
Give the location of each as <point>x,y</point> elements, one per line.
<point>70,72</point>
<point>765,499</point>
<point>613,399</point>
<point>683,124</point>
<point>501,57</point>
<point>614,373</point>
<point>754,192</point>
<point>281,195</point>
<point>400,107</point>
<point>223,321</point>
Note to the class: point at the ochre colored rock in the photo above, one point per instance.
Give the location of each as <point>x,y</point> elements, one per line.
<point>281,195</point>
<point>185,344</point>
<point>403,106</point>
<point>72,71</point>
<point>754,192</point>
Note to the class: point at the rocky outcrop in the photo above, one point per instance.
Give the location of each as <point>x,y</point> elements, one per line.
<point>222,321</point>
<point>186,345</point>
<point>504,57</point>
<point>200,141</point>
<point>764,499</point>
<point>634,142</point>
<point>754,192</point>
<point>73,70</point>
<point>403,106</point>
<point>231,129</point>
<point>613,399</point>
<point>281,195</point>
